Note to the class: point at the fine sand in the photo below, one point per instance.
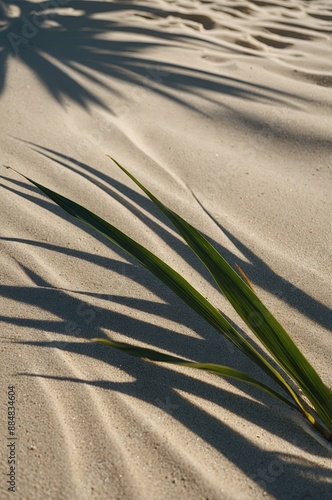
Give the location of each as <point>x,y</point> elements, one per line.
<point>224,110</point>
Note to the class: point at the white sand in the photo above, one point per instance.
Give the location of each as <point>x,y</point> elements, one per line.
<point>223,109</point>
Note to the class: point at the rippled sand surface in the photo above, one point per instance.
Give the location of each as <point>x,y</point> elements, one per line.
<point>224,110</point>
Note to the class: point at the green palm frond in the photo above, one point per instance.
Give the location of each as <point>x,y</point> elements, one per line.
<point>242,297</point>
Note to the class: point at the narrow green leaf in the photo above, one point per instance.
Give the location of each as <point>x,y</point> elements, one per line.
<point>171,278</point>
<point>253,312</point>
<point>224,371</point>
<point>176,283</point>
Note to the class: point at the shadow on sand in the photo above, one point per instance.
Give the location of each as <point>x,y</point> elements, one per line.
<point>158,384</point>
<point>73,45</point>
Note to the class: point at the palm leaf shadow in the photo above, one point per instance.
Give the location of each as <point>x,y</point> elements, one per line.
<point>266,278</point>
<point>159,385</point>
<point>80,44</point>
<point>218,434</point>
<point>256,269</point>
<point>166,236</point>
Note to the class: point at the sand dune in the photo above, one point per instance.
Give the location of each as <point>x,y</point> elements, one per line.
<point>224,110</point>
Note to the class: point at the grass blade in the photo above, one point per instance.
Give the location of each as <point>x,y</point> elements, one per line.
<point>253,312</point>
<point>179,285</point>
<point>224,371</point>
<point>170,277</point>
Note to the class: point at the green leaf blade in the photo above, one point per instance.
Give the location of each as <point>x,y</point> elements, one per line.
<point>180,286</point>
<point>253,312</point>
<point>224,371</point>
<point>171,278</point>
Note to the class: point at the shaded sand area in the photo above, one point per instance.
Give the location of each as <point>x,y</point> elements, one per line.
<point>224,110</point>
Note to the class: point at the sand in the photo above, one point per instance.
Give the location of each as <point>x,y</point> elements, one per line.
<point>224,110</point>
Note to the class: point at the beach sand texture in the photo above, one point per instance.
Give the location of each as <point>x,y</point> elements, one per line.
<point>223,109</point>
